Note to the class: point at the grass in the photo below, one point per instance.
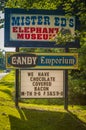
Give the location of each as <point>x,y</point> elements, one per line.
<point>34,116</point>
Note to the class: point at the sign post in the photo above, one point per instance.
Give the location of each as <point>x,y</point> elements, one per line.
<point>16,84</point>
<point>66,86</point>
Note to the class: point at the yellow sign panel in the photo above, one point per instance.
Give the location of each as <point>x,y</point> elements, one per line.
<point>42,60</point>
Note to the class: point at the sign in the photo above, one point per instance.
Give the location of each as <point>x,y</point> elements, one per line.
<point>41,84</point>
<point>42,60</point>
<point>37,28</point>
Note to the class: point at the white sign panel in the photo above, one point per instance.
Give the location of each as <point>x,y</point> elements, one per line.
<point>39,27</point>
<point>41,84</point>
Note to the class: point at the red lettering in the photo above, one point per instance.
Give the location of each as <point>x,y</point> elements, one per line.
<point>27,36</point>
<point>56,29</point>
<point>39,36</point>
<point>20,36</point>
<point>45,36</point>
<point>51,30</point>
<point>45,30</point>
<point>32,29</point>
<point>38,30</point>
<point>21,29</point>
<point>33,33</point>
<point>26,29</point>
<point>33,36</point>
<point>50,36</point>
<point>54,35</point>
<point>14,29</point>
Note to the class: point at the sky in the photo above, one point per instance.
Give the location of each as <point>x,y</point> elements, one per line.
<point>2,42</point>
<point>2,37</point>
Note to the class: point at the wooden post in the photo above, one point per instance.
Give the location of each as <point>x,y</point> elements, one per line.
<point>17,84</point>
<point>66,86</point>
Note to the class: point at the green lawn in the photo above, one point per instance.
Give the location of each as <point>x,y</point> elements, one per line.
<point>36,117</point>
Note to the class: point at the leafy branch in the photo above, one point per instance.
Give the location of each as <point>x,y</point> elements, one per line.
<point>65,36</point>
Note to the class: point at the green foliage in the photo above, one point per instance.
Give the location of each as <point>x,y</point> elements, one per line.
<point>2,60</point>
<point>77,79</point>
<point>77,91</point>
<point>44,101</point>
<point>2,4</point>
<point>16,4</point>
<point>31,4</point>
<point>77,8</point>
<point>63,38</point>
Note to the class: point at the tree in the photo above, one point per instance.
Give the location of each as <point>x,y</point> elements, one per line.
<point>77,82</point>
<point>2,5</point>
<point>2,59</point>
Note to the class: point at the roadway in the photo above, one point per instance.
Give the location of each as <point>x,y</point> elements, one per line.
<point>2,75</point>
